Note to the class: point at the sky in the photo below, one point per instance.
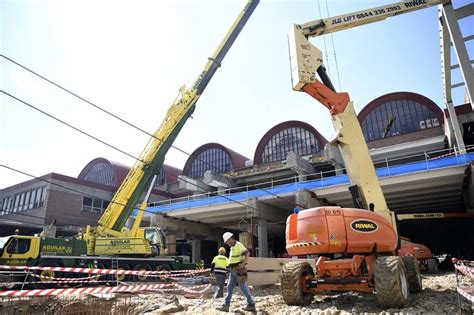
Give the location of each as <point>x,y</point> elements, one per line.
<point>131,58</point>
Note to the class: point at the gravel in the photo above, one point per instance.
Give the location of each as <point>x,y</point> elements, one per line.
<point>438,296</point>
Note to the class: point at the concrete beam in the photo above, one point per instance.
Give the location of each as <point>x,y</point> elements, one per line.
<point>259,209</point>
<point>299,165</point>
<point>332,153</point>
<point>194,185</point>
<point>213,179</point>
<point>175,226</point>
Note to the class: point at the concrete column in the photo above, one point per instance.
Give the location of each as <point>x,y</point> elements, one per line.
<point>171,246</point>
<point>262,236</point>
<point>196,250</point>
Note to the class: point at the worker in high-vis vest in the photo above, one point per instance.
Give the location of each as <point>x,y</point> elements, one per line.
<point>238,258</point>
<point>219,269</point>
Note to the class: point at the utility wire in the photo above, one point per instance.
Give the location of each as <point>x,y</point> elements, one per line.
<point>139,129</point>
<point>70,126</point>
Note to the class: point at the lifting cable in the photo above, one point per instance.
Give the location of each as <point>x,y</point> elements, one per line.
<point>334,51</point>
<point>324,41</point>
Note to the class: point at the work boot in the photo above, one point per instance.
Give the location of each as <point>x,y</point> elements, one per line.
<point>250,308</point>
<point>224,308</point>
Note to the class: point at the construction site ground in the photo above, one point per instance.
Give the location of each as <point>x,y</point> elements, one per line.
<point>438,296</point>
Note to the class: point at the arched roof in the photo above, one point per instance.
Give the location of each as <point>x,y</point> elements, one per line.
<point>103,171</point>
<point>237,160</point>
<point>398,96</point>
<point>280,127</point>
<point>399,113</point>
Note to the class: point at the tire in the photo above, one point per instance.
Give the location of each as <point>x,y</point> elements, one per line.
<point>45,276</point>
<point>291,283</point>
<point>94,276</point>
<point>432,266</point>
<point>121,277</point>
<point>390,281</point>
<point>412,269</point>
<point>163,277</point>
<point>141,267</point>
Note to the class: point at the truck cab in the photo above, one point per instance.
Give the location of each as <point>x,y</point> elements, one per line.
<point>20,250</point>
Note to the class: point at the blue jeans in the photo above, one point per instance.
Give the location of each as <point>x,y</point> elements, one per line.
<point>243,287</point>
<point>220,279</point>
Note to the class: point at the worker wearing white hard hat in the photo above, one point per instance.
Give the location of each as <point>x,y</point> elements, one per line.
<point>238,258</point>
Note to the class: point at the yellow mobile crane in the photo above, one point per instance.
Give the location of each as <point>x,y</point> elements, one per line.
<point>367,241</point>
<point>110,237</point>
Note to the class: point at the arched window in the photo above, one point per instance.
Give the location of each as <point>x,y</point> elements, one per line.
<point>397,117</point>
<point>211,159</point>
<point>101,173</point>
<point>298,140</point>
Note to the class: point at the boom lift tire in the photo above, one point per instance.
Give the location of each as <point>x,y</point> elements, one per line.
<point>412,269</point>
<point>390,281</point>
<point>292,278</point>
<point>432,266</point>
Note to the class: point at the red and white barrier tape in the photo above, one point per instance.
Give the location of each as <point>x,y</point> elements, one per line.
<point>96,290</point>
<point>52,279</point>
<point>465,267</point>
<point>105,271</point>
<point>449,154</point>
<point>467,292</point>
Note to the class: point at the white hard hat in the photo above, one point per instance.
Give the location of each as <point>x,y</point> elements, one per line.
<point>226,236</point>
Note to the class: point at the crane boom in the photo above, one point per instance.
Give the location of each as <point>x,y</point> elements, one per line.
<point>354,19</point>
<point>150,162</point>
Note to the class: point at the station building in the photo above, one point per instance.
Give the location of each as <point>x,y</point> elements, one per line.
<point>399,128</point>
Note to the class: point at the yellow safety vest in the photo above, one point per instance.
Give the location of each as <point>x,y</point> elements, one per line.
<point>237,253</point>
<point>220,264</point>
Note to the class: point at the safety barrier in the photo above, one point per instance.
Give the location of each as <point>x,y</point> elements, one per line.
<point>94,278</point>
<point>102,290</point>
<point>466,269</point>
<point>104,271</point>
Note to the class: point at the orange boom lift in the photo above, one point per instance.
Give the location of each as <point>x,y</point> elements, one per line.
<point>357,248</point>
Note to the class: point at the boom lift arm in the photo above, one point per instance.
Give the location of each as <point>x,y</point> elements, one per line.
<point>307,60</point>
<point>113,220</point>
<point>354,19</point>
